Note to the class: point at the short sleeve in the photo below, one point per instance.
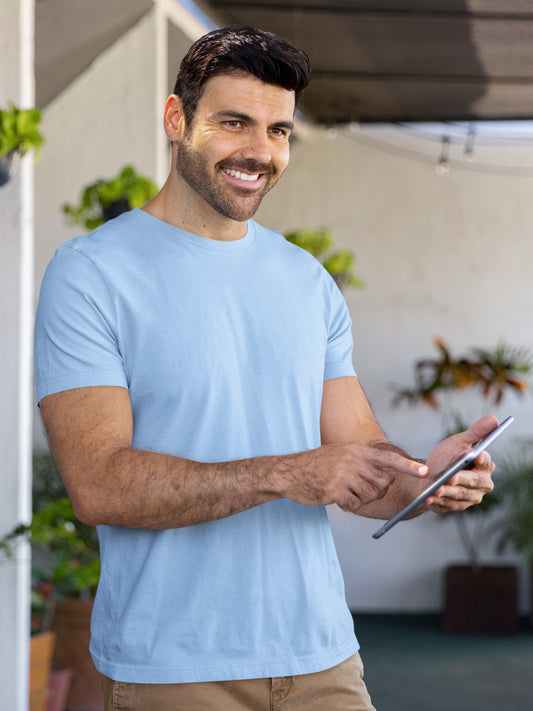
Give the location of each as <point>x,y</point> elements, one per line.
<point>76,341</point>
<point>338,362</point>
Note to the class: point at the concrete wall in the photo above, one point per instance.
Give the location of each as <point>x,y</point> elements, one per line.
<point>448,255</point>
<point>16,328</point>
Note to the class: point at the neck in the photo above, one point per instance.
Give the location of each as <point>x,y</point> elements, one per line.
<point>181,207</point>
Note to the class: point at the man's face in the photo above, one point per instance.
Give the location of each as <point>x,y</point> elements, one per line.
<point>237,146</point>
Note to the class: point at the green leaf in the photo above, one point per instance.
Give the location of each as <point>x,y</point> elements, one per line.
<point>339,264</point>
<point>127,185</point>
<point>316,242</point>
<point>19,130</point>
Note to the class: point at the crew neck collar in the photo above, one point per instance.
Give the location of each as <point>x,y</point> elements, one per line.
<point>213,245</point>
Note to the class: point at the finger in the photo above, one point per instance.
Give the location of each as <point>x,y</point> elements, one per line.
<point>483,461</point>
<point>477,431</point>
<point>468,479</point>
<point>449,494</point>
<point>479,476</point>
<point>476,477</point>
<point>455,501</point>
<point>350,504</point>
<point>447,508</point>
<point>467,489</point>
<point>397,463</point>
<point>369,488</point>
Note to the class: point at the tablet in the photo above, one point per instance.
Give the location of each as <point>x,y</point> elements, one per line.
<point>464,462</point>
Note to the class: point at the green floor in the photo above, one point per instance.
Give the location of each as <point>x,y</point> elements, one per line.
<point>410,665</point>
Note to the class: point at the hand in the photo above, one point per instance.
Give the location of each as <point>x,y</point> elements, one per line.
<point>467,487</point>
<point>349,475</point>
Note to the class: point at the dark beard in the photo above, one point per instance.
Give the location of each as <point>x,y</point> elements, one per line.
<point>192,167</point>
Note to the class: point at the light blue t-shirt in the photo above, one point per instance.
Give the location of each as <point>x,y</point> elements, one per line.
<point>224,348</point>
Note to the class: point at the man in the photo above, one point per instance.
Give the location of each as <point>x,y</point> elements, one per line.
<point>195,380</point>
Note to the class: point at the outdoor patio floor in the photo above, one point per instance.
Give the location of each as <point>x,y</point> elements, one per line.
<point>411,665</point>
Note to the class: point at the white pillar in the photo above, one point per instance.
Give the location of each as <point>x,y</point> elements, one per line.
<point>190,26</point>
<point>16,348</point>
<point>161,91</point>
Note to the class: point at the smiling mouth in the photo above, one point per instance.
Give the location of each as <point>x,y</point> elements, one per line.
<point>248,177</point>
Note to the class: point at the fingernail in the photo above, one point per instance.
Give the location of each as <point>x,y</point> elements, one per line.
<point>422,470</point>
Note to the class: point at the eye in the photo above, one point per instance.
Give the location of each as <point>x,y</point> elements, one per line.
<point>233,123</point>
<point>280,132</point>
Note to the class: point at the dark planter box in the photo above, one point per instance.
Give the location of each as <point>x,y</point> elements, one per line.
<point>481,600</point>
<point>7,167</point>
<point>115,209</point>
<point>71,623</point>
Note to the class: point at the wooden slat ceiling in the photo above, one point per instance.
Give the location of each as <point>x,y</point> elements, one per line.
<point>404,60</point>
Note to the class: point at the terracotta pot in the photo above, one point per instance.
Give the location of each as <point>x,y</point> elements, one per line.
<point>59,686</point>
<point>41,653</point>
<point>481,600</point>
<point>71,623</point>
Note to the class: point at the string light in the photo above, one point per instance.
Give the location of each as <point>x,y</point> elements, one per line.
<point>448,134</point>
<point>443,165</point>
<point>468,154</point>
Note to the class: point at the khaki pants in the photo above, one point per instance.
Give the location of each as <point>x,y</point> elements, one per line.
<point>338,689</point>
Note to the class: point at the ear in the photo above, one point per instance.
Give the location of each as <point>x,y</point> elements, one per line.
<point>174,118</point>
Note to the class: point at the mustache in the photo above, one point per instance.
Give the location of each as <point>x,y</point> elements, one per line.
<point>248,165</point>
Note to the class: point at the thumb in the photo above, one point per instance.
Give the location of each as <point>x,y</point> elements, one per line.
<point>477,431</point>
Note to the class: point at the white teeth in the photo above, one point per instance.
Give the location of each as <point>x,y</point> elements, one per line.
<point>242,176</point>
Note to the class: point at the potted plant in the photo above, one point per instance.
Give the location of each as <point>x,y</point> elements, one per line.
<point>42,642</point>
<point>41,654</point>
<point>105,199</point>
<point>515,527</point>
<point>19,133</point>
<point>478,598</point>
<point>339,263</point>
<point>66,567</point>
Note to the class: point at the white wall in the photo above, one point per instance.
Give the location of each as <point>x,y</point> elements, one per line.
<point>108,117</point>
<point>103,120</point>
<point>16,328</point>
<point>448,255</point>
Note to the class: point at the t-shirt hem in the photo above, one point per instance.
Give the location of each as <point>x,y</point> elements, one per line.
<point>340,369</point>
<point>81,380</point>
<point>228,671</point>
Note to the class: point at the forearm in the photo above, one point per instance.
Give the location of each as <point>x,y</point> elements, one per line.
<point>90,434</point>
<point>142,489</point>
<point>110,482</point>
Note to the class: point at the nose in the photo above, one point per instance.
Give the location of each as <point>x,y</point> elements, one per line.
<point>258,147</point>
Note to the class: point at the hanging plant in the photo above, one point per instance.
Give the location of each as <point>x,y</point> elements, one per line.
<point>105,199</point>
<point>340,263</point>
<point>19,134</point>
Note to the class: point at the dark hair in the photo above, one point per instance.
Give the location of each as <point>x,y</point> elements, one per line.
<point>240,49</point>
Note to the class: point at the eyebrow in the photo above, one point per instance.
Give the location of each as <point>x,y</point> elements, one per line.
<point>237,116</point>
